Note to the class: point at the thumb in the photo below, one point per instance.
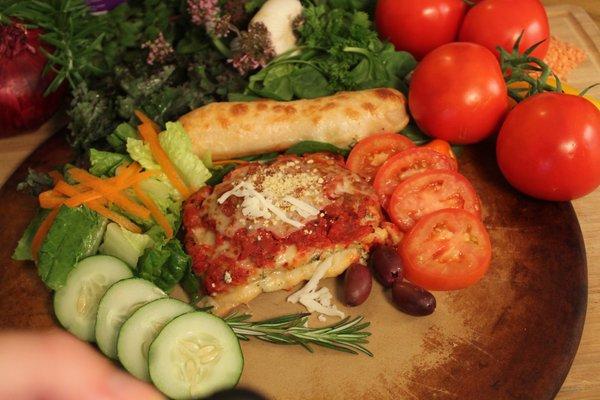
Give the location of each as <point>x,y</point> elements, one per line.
<point>56,365</point>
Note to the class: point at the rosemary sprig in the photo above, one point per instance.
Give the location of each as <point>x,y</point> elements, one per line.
<point>75,35</point>
<point>347,335</point>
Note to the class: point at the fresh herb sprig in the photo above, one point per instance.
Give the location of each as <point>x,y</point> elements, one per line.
<point>338,49</point>
<point>347,335</point>
<point>75,35</point>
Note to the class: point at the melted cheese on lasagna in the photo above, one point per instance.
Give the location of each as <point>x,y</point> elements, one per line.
<point>267,226</point>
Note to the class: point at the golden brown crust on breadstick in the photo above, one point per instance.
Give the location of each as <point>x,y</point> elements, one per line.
<point>237,129</point>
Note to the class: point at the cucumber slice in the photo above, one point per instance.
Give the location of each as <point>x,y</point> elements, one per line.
<point>76,303</point>
<point>195,355</point>
<point>138,332</point>
<point>118,303</point>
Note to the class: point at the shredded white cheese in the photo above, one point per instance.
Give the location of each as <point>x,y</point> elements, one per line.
<point>317,300</point>
<point>304,209</point>
<point>256,205</point>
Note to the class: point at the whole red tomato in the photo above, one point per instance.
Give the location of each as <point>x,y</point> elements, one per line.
<point>419,26</point>
<point>457,93</point>
<point>549,147</point>
<point>494,23</point>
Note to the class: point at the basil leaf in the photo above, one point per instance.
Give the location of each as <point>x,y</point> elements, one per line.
<point>308,83</point>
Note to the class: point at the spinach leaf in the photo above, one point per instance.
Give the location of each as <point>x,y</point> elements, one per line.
<point>265,157</point>
<point>242,97</point>
<point>164,265</point>
<point>274,82</point>
<point>338,50</point>
<point>75,234</point>
<point>23,250</point>
<point>308,83</point>
<point>218,174</point>
<point>310,146</point>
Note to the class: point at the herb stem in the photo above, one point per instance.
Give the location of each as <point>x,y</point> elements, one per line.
<point>347,335</point>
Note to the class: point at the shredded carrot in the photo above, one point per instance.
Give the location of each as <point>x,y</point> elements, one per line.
<point>158,216</point>
<point>56,176</point>
<point>110,192</point>
<point>125,173</point>
<point>115,217</point>
<point>146,120</point>
<point>82,198</point>
<point>68,190</point>
<point>51,199</point>
<point>97,205</point>
<point>91,195</point>
<point>139,178</point>
<point>40,234</point>
<point>150,135</point>
<point>225,162</point>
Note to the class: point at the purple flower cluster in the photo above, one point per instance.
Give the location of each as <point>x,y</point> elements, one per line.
<point>208,13</point>
<point>159,49</point>
<point>252,49</point>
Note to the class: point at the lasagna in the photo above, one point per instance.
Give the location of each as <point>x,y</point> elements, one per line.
<point>269,227</point>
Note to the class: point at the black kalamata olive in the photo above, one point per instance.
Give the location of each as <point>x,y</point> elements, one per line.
<point>387,264</point>
<point>412,299</point>
<point>357,284</point>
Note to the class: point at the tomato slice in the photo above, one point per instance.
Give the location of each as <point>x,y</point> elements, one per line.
<point>447,250</point>
<point>371,152</point>
<point>430,191</point>
<point>406,164</point>
<point>443,147</point>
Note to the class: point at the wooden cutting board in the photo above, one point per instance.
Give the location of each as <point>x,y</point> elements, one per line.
<point>513,335</point>
<point>572,24</point>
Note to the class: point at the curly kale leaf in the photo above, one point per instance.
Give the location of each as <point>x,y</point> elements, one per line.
<point>93,117</point>
<point>35,183</point>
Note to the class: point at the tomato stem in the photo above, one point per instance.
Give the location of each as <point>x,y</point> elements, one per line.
<point>523,67</point>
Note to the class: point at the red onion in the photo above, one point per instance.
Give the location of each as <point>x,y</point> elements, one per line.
<point>22,84</point>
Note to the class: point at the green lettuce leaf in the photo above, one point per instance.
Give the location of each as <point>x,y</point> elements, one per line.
<point>75,234</point>
<point>104,163</point>
<point>140,152</point>
<point>178,147</point>
<point>23,250</point>
<point>125,245</point>
<point>164,265</point>
<point>118,139</point>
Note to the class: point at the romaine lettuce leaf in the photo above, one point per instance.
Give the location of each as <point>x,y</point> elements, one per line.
<point>23,250</point>
<point>118,139</point>
<point>125,245</point>
<point>104,163</point>
<point>164,265</point>
<point>75,234</point>
<point>178,147</point>
<point>140,152</point>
